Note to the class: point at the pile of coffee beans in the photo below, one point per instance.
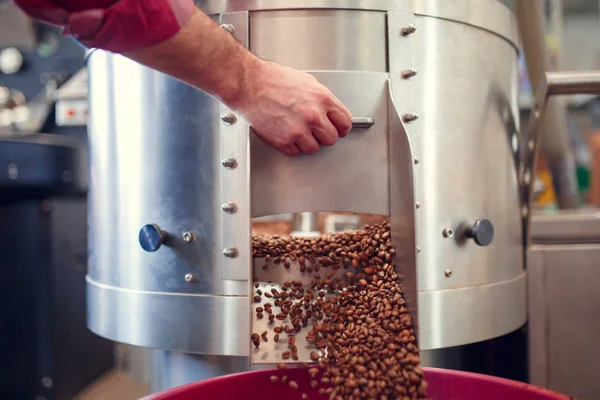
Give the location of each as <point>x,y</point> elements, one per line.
<point>364,343</point>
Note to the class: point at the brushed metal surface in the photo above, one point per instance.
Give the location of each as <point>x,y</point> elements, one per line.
<point>467,79</point>
<point>471,314</point>
<point>402,183</point>
<point>563,318</point>
<point>566,227</point>
<point>235,182</point>
<point>489,15</point>
<point>151,137</point>
<point>220,6</point>
<point>277,35</point>
<point>282,184</point>
<point>195,323</point>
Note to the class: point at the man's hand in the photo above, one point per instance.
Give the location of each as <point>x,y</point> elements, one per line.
<point>291,111</point>
<point>287,109</point>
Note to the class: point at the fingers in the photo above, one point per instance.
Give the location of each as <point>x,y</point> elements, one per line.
<point>340,117</point>
<point>307,143</point>
<point>325,132</point>
<point>291,150</point>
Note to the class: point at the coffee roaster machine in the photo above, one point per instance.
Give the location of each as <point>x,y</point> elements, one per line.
<point>176,178</point>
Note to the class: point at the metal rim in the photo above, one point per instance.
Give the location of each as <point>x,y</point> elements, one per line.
<point>489,15</point>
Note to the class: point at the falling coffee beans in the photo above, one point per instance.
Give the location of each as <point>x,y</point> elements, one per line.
<point>359,325</point>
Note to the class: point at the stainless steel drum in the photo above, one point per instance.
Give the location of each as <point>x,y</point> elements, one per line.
<point>175,178</point>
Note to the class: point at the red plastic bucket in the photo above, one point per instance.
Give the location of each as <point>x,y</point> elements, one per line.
<point>443,385</point>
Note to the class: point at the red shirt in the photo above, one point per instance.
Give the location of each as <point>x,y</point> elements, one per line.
<point>115,25</point>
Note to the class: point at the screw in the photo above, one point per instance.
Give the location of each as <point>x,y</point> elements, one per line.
<point>448,233</point>
<point>448,273</point>
<point>189,278</point>
<point>230,252</point>
<point>418,249</point>
<point>229,207</point>
<point>229,28</point>
<point>47,382</point>
<point>408,30</point>
<point>417,204</point>
<point>408,73</point>
<point>13,171</point>
<point>409,117</point>
<point>229,163</point>
<point>228,118</point>
<point>416,160</point>
<point>527,177</point>
<point>188,237</point>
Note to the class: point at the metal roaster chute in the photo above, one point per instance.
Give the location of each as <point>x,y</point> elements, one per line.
<point>176,177</point>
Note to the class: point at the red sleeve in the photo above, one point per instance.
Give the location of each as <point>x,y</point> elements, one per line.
<point>117,26</point>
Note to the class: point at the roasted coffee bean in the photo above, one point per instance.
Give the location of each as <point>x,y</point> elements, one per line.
<point>360,327</point>
<point>257,299</point>
<point>274,378</point>
<point>294,385</point>
<point>282,365</point>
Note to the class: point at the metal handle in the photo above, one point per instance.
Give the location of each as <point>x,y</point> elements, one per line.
<point>553,83</point>
<point>573,83</point>
<point>362,122</point>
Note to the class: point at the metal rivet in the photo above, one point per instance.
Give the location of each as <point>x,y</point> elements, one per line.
<point>13,171</point>
<point>448,273</point>
<point>417,204</point>
<point>230,252</point>
<point>536,110</point>
<point>418,249</point>
<point>189,278</point>
<point>531,145</point>
<point>228,118</point>
<point>524,211</point>
<point>188,237</point>
<point>47,382</point>
<point>229,163</point>
<point>229,207</point>
<point>527,177</point>
<point>448,233</point>
<point>409,117</point>
<point>408,30</point>
<point>229,28</point>
<point>408,73</point>
<point>416,160</point>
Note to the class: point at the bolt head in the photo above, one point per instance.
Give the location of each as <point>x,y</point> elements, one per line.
<point>418,249</point>
<point>189,277</point>
<point>229,207</point>
<point>230,252</point>
<point>228,118</point>
<point>417,204</point>
<point>448,273</point>
<point>448,233</point>
<point>229,28</point>
<point>229,163</point>
<point>408,73</point>
<point>408,30</point>
<point>188,237</point>
<point>410,117</point>
<point>13,171</point>
<point>416,160</point>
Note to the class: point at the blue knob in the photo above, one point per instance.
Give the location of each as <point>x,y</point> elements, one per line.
<point>151,237</point>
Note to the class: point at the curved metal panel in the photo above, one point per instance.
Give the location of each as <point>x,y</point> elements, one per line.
<point>490,15</point>
<point>471,314</point>
<point>180,322</point>
<point>348,40</point>
<point>220,6</point>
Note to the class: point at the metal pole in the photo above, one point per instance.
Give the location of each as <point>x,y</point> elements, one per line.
<point>555,143</point>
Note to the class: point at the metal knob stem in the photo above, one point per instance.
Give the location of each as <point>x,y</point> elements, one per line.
<point>482,232</point>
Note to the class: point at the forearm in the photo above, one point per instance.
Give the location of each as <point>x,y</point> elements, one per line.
<point>205,56</point>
